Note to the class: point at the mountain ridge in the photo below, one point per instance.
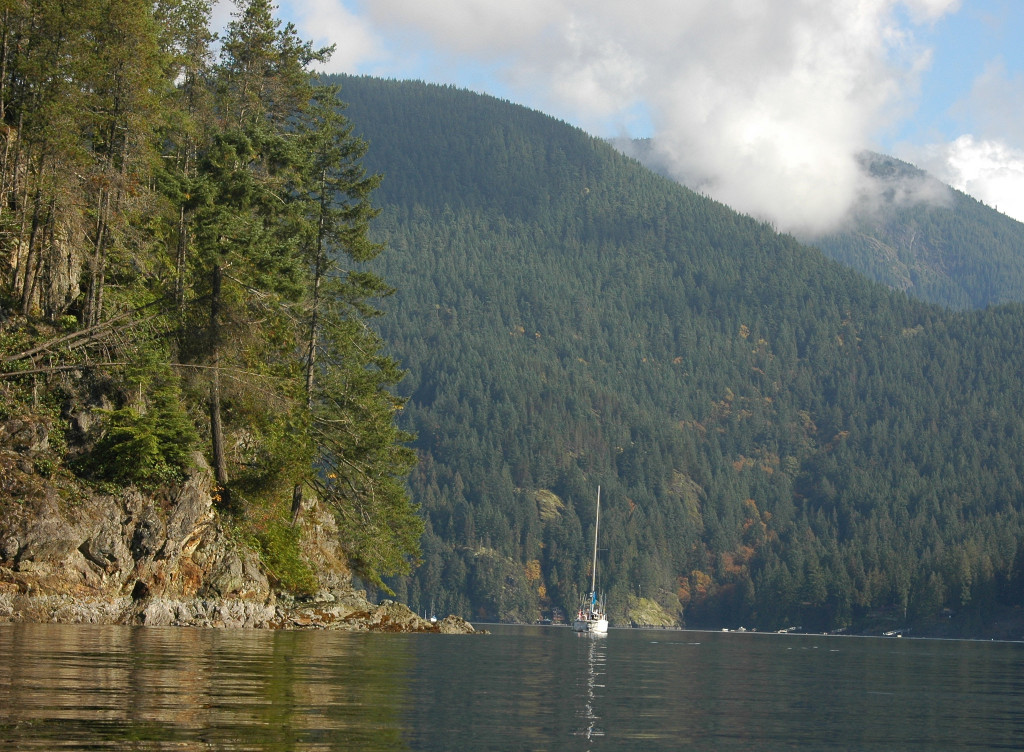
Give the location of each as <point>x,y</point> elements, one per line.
<point>911,232</point>
<point>780,440</point>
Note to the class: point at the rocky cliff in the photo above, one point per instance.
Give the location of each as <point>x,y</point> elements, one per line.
<point>71,554</point>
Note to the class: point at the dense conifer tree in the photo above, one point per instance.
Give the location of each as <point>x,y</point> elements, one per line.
<point>196,228</point>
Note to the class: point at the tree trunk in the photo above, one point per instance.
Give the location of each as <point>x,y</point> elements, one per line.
<point>183,228</point>
<point>93,306</point>
<point>318,273</point>
<point>314,324</point>
<point>27,280</point>
<point>220,465</point>
<point>179,281</point>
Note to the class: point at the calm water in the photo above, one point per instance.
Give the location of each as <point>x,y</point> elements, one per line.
<point>520,688</point>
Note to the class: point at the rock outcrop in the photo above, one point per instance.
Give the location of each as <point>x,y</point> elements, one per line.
<point>68,555</point>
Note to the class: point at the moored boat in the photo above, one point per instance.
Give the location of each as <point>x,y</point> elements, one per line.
<point>591,615</point>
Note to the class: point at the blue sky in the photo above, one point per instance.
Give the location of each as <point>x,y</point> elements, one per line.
<point>760,103</point>
<point>966,44</point>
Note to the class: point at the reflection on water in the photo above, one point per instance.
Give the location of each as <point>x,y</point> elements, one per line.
<point>590,683</point>
<point>82,687</point>
<point>154,688</point>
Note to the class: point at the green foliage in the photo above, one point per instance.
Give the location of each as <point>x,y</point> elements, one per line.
<point>278,547</point>
<point>174,224</point>
<point>45,466</point>
<point>130,450</point>
<point>362,457</point>
<point>932,241</point>
<point>912,233</point>
<point>146,448</point>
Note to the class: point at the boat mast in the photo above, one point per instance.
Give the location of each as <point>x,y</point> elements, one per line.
<point>593,570</point>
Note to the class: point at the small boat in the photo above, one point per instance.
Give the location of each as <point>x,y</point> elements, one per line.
<point>591,615</point>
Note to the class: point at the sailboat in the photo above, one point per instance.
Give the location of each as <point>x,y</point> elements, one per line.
<point>591,616</point>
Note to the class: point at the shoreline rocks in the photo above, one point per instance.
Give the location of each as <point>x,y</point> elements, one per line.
<point>353,614</point>
<point>71,555</point>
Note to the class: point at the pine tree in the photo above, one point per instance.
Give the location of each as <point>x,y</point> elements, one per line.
<point>247,221</point>
<point>359,451</point>
<point>197,229</point>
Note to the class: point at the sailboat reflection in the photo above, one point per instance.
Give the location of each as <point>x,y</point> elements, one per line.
<point>591,683</point>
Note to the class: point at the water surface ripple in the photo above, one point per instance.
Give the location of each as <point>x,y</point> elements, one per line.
<point>520,688</point>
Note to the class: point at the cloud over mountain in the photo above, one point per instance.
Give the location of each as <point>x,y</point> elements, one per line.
<point>762,104</point>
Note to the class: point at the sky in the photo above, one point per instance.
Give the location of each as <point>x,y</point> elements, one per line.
<point>761,104</point>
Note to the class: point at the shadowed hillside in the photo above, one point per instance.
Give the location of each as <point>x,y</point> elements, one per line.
<point>779,441</point>
<point>935,242</point>
<point>913,233</point>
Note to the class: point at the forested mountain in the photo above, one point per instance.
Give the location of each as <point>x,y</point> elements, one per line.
<point>911,232</point>
<point>933,241</point>
<point>779,441</point>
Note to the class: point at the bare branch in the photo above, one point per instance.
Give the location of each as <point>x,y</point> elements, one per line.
<point>55,369</point>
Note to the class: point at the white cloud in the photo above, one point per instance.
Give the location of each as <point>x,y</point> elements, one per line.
<point>989,170</point>
<point>995,105</point>
<point>988,162</point>
<point>326,22</point>
<point>764,105</point>
<point>763,102</point>
<point>931,10</point>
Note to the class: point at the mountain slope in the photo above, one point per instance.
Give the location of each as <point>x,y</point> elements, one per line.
<point>935,242</point>
<point>913,233</point>
<point>778,440</point>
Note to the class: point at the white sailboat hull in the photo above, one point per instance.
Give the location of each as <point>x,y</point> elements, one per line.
<point>591,615</point>
<point>597,626</point>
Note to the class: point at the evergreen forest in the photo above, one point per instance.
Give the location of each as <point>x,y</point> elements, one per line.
<point>933,241</point>
<point>184,226</point>
<point>780,441</point>
<point>911,232</point>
